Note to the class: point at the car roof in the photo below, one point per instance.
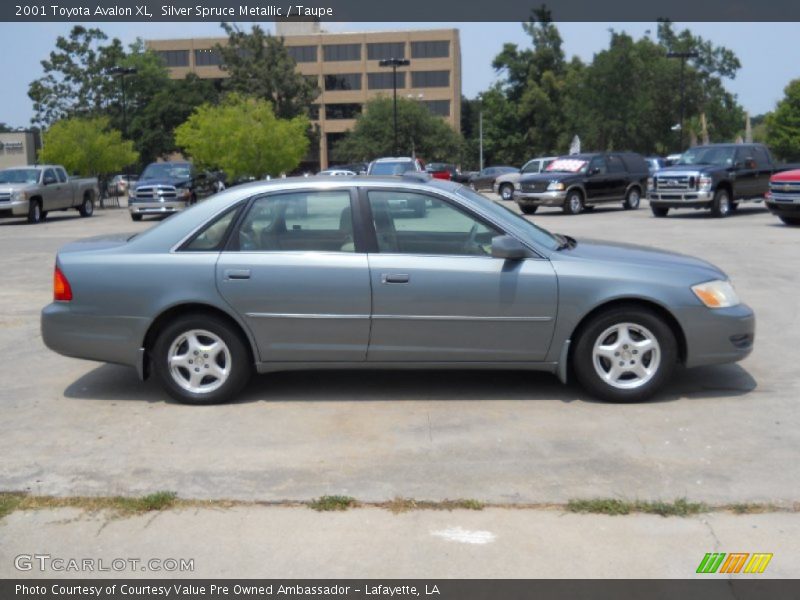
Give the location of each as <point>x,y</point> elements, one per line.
<point>394,159</point>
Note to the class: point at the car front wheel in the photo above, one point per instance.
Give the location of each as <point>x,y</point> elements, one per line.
<point>573,204</point>
<point>201,359</point>
<point>506,191</point>
<point>625,354</point>
<point>721,205</point>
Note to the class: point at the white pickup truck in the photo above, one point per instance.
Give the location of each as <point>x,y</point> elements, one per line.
<point>33,191</point>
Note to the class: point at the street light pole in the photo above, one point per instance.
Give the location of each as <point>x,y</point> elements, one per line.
<point>394,63</point>
<point>480,139</point>
<point>683,56</point>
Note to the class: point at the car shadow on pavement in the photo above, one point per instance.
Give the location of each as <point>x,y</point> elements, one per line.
<point>742,211</point>
<point>115,383</point>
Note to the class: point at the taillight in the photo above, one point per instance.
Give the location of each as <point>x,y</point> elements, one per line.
<point>62,292</point>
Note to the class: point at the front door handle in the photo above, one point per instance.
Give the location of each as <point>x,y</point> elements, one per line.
<point>237,273</point>
<point>395,278</point>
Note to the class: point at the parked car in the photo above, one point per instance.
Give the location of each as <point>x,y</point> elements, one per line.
<point>36,190</point>
<point>168,187</point>
<point>447,171</point>
<point>783,199</point>
<point>119,184</point>
<point>336,172</point>
<point>484,179</point>
<point>581,181</point>
<point>656,163</point>
<point>394,166</point>
<point>243,282</point>
<point>504,184</point>
<point>717,177</point>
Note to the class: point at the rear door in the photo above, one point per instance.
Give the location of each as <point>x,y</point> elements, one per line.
<point>617,179</point>
<point>438,294</point>
<point>293,272</point>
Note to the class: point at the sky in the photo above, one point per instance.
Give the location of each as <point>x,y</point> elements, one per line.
<point>768,52</point>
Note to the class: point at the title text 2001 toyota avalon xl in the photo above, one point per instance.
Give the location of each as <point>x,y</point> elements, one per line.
<point>340,273</point>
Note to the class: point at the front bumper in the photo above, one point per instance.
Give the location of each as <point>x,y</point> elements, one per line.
<point>784,208</point>
<point>156,208</point>
<point>681,199</point>
<point>540,198</point>
<point>717,336</point>
<point>13,208</point>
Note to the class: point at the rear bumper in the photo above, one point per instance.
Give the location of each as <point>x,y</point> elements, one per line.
<point>155,208</point>
<point>688,199</point>
<point>16,208</point>
<point>104,339</point>
<point>717,336</point>
<point>540,198</point>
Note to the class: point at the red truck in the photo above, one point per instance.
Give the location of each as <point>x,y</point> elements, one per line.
<point>783,198</point>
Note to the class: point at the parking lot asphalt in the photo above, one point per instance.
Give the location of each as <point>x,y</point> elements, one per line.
<point>717,434</point>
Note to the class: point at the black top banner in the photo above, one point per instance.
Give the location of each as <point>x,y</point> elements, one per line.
<point>397,11</point>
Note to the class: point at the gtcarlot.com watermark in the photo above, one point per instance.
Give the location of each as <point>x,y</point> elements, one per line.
<point>57,564</point>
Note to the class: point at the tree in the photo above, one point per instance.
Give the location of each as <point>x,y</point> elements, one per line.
<point>418,132</point>
<point>242,136</point>
<point>87,146</point>
<point>259,65</point>
<point>783,124</point>
<point>5,128</point>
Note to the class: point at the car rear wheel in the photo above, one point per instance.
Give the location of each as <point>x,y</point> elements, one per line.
<point>659,211</point>
<point>529,210</point>
<point>632,200</point>
<point>573,204</point>
<point>87,207</point>
<point>625,354</point>
<point>35,214</point>
<point>506,191</point>
<point>721,206</point>
<point>201,359</point>
<point>794,221</point>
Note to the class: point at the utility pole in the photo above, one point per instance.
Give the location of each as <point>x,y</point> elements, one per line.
<point>683,56</point>
<point>394,63</point>
<point>480,139</point>
<point>123,72</point>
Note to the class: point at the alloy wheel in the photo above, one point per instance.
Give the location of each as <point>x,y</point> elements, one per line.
<point>626,356</point>
<point>199,361</point>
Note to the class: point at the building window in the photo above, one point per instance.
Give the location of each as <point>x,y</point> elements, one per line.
<point>174,58</point>
<point>207,57</point>
<point>339,52</point>
<point>440,108</point>
<point>313,112</point>
<point>384,81</point>
<point>386,50</point>
<point>428,79</point>
<point>342,111</point>
<point>346,81</point>
<point>302,54</point>
<point>430,49</point>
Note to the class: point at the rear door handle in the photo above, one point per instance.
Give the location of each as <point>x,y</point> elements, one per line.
<point>395,278</point>
<point>237,273</point>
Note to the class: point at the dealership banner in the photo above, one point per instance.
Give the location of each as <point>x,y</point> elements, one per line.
<point>404,11</point>
<point>373,589</point>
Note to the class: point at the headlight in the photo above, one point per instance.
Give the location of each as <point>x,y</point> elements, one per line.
<point>555,186</point>
<point>704,184</point>
<point>19,195</point>
<point>716,294</point>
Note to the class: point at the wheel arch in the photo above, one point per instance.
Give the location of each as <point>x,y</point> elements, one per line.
<point>185,308</point>
<point>635,301</point>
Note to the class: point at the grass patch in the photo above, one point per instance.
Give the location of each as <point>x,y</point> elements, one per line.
<point>401,505</point>
<point>118,505</point>
<point>753,508</point>
<point>9,502</point>
<point>680,507</point>
<point>328,503</point>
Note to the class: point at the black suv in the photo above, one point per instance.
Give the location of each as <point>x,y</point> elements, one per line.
<point>581,181</point>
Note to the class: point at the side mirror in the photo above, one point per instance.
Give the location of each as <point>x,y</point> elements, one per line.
<point>508,248</point>
<point>594,170</point>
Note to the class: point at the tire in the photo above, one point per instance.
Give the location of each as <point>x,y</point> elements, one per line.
<point>573,203</point>
<point>633,199</point>
<point>659,211</point>
<point>181,343</point>
<point>792,221</point>
<point>528,210</point>
<point>35,213</point>
<point>86,209</point>
<point>136,217</point>
<point>506,192</point>
<point>721,205</point>
<point>599,346</point>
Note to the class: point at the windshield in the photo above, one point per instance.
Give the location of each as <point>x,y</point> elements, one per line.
<point>521,224</point>
<point>721,156</point>
<point>391,168</point>
<point>20,175</point>
<point>567,165</point>
<point>437,167</point>
<point>167,171</point>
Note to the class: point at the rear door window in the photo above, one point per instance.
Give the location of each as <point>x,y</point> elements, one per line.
<point>615,165</point>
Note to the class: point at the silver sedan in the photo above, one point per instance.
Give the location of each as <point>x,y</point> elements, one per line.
<point>331,273</point>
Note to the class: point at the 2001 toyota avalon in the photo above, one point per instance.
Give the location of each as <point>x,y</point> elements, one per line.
<point>328,273</point>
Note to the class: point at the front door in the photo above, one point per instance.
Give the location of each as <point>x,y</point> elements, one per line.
<point>292,273</point>
<point>439,296</point>
<point>597,180</point>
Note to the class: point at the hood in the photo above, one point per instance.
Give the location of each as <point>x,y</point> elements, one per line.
<point>15,187</point>
<point>99,242</point>
<point>688,169</point>
<point>160,181</point>
<point>651,258</point>
<point>793,176</point>
<point>549,176</point>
